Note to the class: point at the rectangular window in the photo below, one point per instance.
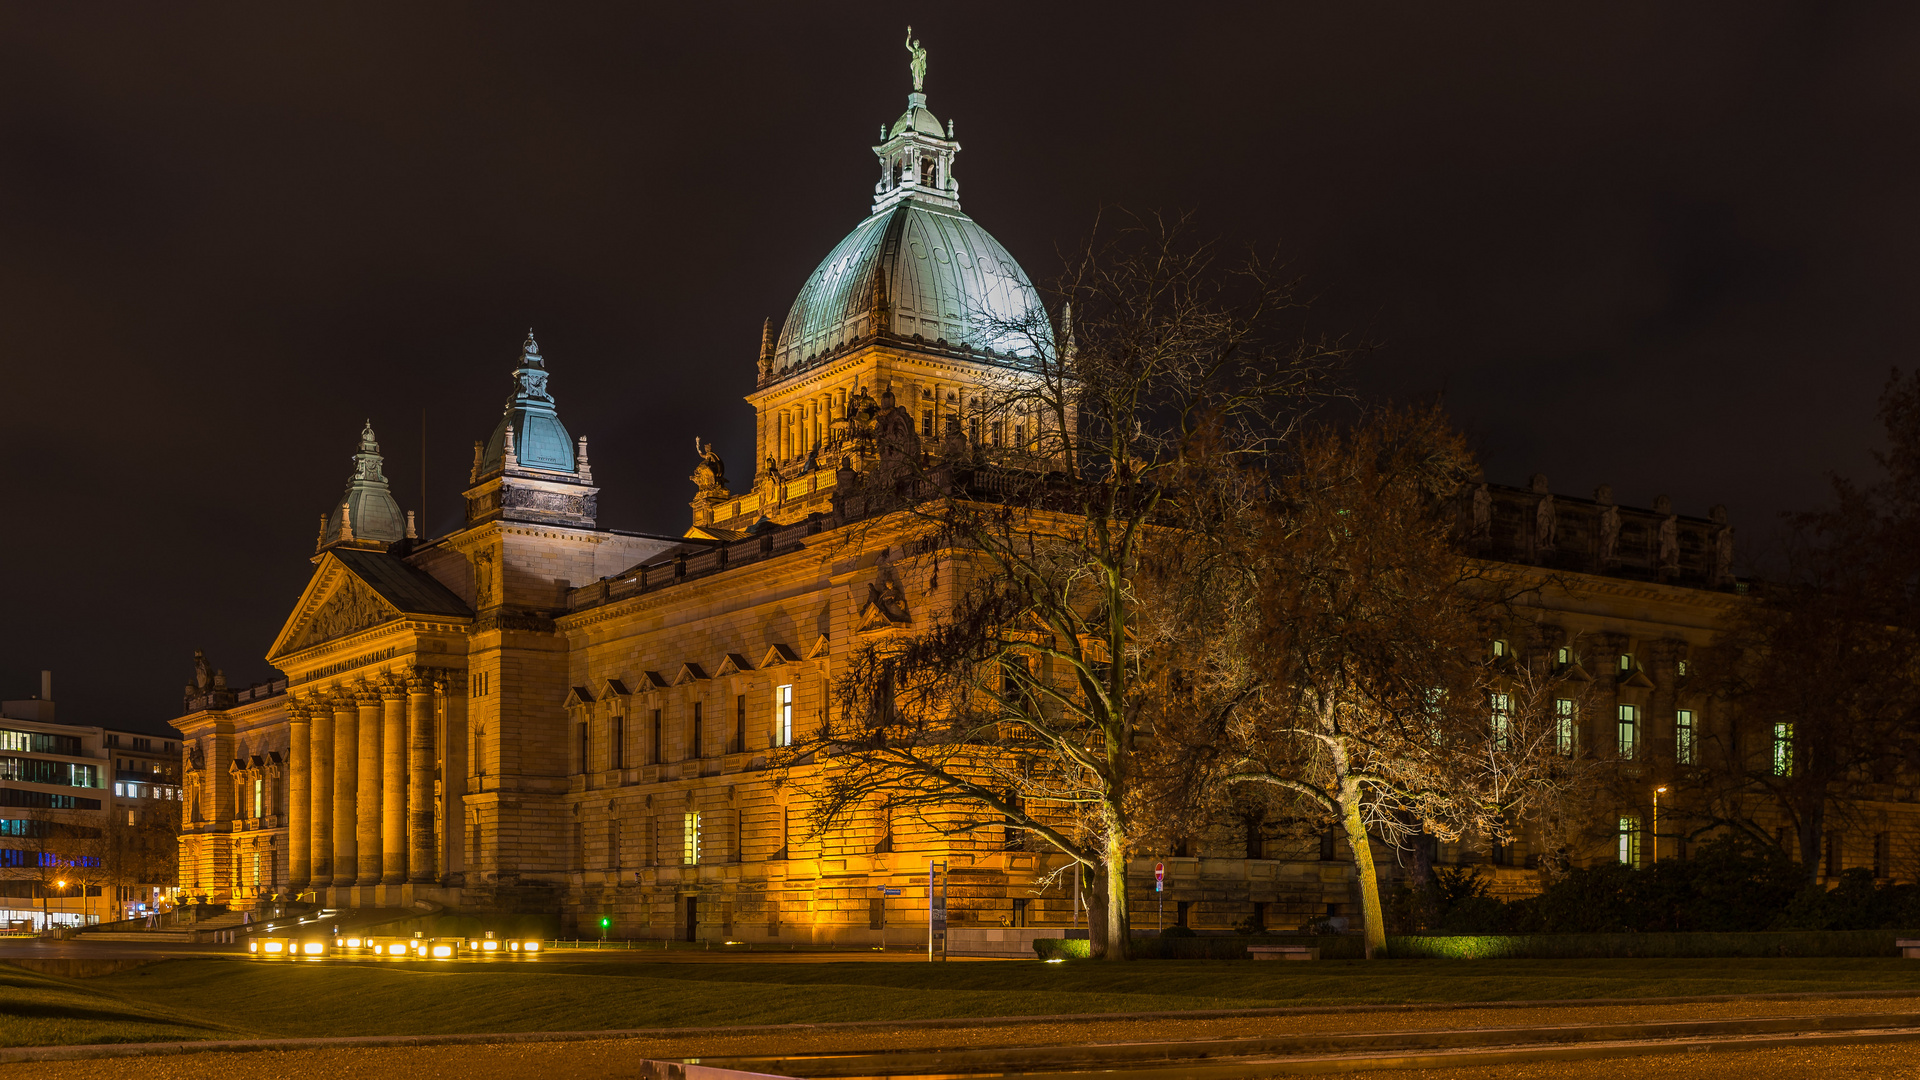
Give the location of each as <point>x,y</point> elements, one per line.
<point>1502,709</point>
<point>926,423</point>
<point>1683,737</point>
<point>656,737</point>
<point>1783,749</point>
<point>1563,656</point>
<point>690,840</point>
<point>1682,669</point>
<point>259,805</point>
<point>740,724</point>
<point>1883,855</point>
<point>583,748</point>
<point>1629,731</point>
<point>1629,847</point>
<point>1566,720</point>
<point>1019,436</point>
<point>619,748</point>
<point>783,715</point>
<point>693,750</point>
<point>1626,663</point>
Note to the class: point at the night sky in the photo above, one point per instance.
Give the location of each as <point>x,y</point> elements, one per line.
<point>1667,247</point>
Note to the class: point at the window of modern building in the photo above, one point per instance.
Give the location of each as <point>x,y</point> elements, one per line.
<point>690,839</point>
<point>1629,840</point>
<point>783,715</point>
<point>1629,731</point>
<point>143,744</point>
<point>1566,720</point>
<point>1683,737</point>
<point>1501,707</point>
<point>1783,749</point>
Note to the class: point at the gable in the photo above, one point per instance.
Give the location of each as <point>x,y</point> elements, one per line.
<point>352,590</point>
<point>346,605</point>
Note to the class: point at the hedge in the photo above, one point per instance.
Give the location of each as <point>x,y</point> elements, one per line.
<point>1516,946</point>
<point>1331,946</point>
<point>1636,946</point>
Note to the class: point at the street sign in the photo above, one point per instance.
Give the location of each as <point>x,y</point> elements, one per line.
<point>889,892</point>
<point>1159,877</point>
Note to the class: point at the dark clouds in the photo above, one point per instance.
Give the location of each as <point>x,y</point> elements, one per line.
<point>1666,246</point>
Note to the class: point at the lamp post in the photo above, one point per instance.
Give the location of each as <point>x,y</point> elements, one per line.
<point>1657,792</point>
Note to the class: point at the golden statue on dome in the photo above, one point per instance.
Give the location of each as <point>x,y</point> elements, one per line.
<point>918,64</point>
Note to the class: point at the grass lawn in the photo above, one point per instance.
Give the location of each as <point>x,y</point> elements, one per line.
<point>198,999</point>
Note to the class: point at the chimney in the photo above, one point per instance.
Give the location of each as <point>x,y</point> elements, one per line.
<point>46,685</point>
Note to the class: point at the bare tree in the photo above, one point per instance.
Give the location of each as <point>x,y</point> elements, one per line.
<point>1823,667</point>
<point>1100,452</point>
<point>1388,710</point>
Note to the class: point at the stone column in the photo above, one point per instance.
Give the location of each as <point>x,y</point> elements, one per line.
<point>346,773</point>
<point>299,798</point>
<point>393,782</point>
<point>320,789</point>
<point>420,847</point>
<point>367,804</point>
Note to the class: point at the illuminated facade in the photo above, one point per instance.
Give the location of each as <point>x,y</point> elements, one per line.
<point>539,713</point>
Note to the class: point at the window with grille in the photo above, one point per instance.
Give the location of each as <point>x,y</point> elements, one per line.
<point>1629,845</point>
<point>1502,719</point>
<point>783,715</point>
<point>1683,737</point>
<point>690,839</point>
<point>1783,749</point>
<point>1629,731</point>
<point>1566,719</point>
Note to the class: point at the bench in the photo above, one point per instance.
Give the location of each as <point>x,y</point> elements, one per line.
<point>1909,949</point>
<point>1293,952</point>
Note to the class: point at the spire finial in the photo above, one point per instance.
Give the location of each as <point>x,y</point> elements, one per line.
<point>766,347</point>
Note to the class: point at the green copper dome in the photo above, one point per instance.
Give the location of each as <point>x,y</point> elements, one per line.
<point>918,267</point>
<point>540,440</point>
<point>367,513</point>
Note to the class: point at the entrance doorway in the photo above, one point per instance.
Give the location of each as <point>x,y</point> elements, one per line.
<point>693,918</point>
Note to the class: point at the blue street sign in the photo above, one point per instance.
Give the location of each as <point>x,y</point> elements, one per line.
<point>890,892</point>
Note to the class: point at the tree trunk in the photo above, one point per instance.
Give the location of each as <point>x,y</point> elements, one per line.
<point>1093,888</point>
<point>1119,920</point>
<point>1356,826</point>
<point>1812,824</point>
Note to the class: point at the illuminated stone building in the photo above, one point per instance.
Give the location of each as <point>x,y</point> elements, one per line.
<point>540,713</point>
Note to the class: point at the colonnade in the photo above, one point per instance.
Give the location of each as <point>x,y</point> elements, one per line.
<point>360,792</point>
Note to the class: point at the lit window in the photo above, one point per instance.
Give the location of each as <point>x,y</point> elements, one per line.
<point>1499,648</point>
<point>1502,709</point>
<point>1566,717</point>
<point>1683,737</point>
<point>1629,847</point>
<point>1682,669</point>
<point>690,840</point>
<point>259,807</point>
<point>1563,656</point>
<point>1626,662</point>
<point>783,715</point>
<point>1783,749</point>
<point>1629,731</point>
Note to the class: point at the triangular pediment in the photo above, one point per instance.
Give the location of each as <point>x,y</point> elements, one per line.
<point>578,696</point>
<point>689,672</point>
<point>1638,679</point>
<point>734,664</point>
<point>821,649</point>
<point>779,654</point>
<point>336,603</point>
<point>613,688</point>
<point>654,680</point>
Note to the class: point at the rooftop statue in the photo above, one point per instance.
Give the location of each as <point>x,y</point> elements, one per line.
<point>919,62</point>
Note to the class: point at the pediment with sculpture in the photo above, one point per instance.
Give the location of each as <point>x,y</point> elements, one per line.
<point>349,607</point>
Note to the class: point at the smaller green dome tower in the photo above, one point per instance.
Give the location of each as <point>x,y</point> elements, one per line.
<point>367,514</point>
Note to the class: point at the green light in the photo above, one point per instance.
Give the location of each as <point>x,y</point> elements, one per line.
<point>604,923</point>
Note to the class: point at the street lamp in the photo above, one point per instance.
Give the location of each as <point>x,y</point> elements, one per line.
<point>1657,792</point>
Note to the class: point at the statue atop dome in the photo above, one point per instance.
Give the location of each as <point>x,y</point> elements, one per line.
<point>918,63</point>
